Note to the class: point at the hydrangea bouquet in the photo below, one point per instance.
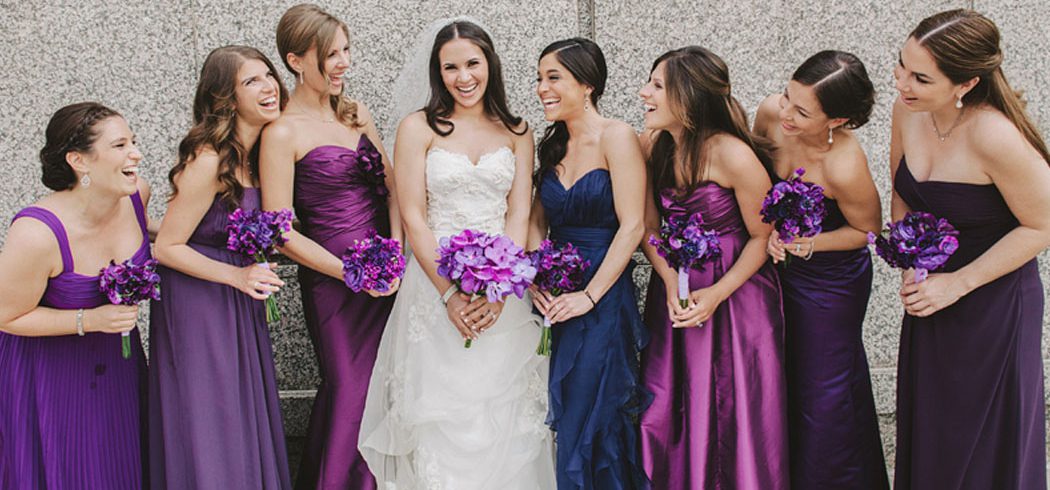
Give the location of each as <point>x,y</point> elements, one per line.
<point>685,244</point>
<point>373,263</point>
<point>128,283</point>
<point>257,234</point>
<point>559,269</point>
<point>919,241</point>
<point>478,263</point>
<point>795,207</point>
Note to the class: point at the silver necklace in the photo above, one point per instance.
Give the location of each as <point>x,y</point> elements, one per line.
<point>948,133</point>
<point>311,116</point>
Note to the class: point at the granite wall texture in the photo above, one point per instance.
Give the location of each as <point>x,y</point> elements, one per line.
<point>143,58</point>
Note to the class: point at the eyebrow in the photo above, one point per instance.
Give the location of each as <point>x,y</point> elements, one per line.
<point>900,60</point>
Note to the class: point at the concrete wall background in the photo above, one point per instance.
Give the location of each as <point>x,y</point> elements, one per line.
<point>142,58</point>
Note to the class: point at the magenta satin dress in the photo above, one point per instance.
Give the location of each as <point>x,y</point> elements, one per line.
<point>338,203</point>
<point>71,407</point>
<point>718,417</point>
<point>970,406</point>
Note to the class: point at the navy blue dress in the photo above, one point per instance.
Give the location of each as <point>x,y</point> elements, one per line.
<point>595,394</point>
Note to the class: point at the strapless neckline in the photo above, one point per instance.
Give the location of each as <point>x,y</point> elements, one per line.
<point>578,179</point>
<point>360,141</point>
<point>911,176</point>
<point>466,158</point>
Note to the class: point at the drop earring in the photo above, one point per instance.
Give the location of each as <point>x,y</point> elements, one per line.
<point>300,78</point>
<point>958,103</point>
<point>85,181</point>
<point>586,103</point>
<point>831,136</point>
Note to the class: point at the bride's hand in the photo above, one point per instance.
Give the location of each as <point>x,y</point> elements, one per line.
<point>391,290</point>
<point>454,309</point>
<point>480,314</point>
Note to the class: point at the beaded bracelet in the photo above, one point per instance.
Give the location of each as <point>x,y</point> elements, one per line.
<point>80,322</point>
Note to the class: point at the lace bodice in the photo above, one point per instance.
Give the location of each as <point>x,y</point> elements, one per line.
<point>462,194</point>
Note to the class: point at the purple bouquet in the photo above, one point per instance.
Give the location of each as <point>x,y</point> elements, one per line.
<point>256,234</point>
<point>558,270</point>
<point>128,283</point>
<point>920,241</point>
<point>685,244</point>
<point>373,263</point>
<point>370,170</point>
<point>479,263</point>
<point>795,207</point>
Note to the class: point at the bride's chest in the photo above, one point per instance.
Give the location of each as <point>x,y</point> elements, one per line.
<point>453,174</point>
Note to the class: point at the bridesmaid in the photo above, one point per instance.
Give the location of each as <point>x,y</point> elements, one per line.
<point>591,193</point>
<point>312,157</point>
<point>834,433</point>
<point>70,411</point>
<point>215,422</point>
<point>970,375</point>
<point>715,367</point>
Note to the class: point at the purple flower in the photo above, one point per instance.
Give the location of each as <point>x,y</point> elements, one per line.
<point>685,243</point>
<point>373,263</point>
<point>256,234</point>
<point>478,263</point>
<point>795,207</point>
<point>919,241</point>
<point>559,269</point>
<point>128,283</point>
<point>370,172</point>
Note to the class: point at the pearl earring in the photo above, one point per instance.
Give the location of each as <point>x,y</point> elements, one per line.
<point>85,181</point>
<point>958,103</point>
<point>831,136</point>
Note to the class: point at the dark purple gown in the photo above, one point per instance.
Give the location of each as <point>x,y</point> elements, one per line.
<point>718,417</point>
<point>833,429</point>
<point>970,407</point>
<point>337,204</point>
<point>215,420</point>
<point>70,409</point>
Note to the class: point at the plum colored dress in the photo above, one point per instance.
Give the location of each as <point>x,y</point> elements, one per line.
<point>970,408</point>
<point>71,413</point>
<point>718,417</point>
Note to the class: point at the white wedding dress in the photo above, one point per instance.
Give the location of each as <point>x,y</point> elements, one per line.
<point>438,415</point>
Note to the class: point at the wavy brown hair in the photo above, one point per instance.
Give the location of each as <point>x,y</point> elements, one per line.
<point>306,26</point>
<point>965,44</point>
<point>215,121</point>
<point>697,84</point>
<point>440,105</point>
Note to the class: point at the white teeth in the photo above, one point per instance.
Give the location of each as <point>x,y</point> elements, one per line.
<point>130,170</point>
<point>649,107</point>
<point>551,102</point>
<point>268,101</point>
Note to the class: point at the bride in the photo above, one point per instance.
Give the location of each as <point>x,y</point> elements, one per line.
<point>438,415</point>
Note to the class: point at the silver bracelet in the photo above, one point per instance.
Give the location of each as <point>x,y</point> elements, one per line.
<point>448,294</point>
<point>80,322</point>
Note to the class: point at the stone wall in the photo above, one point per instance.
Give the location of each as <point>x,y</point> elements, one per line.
<point>143,59</point>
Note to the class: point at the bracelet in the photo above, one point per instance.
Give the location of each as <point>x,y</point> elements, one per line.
<point>588,295</point>
<point>80,322</point>
<point>812,248</point>
<point>448,294</point>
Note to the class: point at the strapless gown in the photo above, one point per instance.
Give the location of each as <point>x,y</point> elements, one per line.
<point>438,415</point>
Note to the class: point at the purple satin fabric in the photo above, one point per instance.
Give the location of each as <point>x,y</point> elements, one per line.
<point>71,406</point>
<point>718,417</point>
<point>335,209</point>
<point>970,407</point>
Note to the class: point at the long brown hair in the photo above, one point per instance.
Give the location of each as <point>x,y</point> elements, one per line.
<point>440,105</point>
<point>697,84</point>
<point>306,26</point>
<point>965,44</point>
<point>215,121</point>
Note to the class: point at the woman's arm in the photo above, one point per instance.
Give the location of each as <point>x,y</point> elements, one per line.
<point>1023,178</point>
<point>198,184</point>
<point>394,214</point>
<point>152,224</point>
<point>627,170</point>
<point>277,155</point>
<point>900,115</point>
<point>520,195</point>
<point>767,115</point>
<point>30,256</point>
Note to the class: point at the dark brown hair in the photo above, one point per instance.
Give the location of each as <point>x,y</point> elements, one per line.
<point>72,128</point>
<point>585,62</point>
<point>697,84</point>
<point>965,44</point>
<point>215,121</point>
<point>841,84</point>
<point>440,105</point>
<point>306,26</point>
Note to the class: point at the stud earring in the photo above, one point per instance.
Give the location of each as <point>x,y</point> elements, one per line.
<point>85,181</point>
<point>831,136</point>
<point>958,103</point>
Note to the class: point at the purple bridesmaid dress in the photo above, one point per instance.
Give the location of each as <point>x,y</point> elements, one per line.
<point>970,407</point>
<point>718,417</point>
<point>834,432</point>
<point>337,204</point>
<point>215,420</point>
<point>71,407</point>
